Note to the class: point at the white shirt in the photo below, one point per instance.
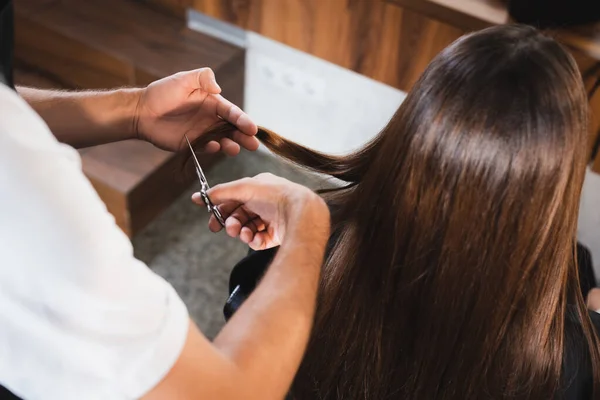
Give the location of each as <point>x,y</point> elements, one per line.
<point>80,317</point>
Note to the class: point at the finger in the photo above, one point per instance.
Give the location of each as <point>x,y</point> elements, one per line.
<point>252,224</point>
<point>233,226</point>
<point>242,218</point>
<point>236,218</point>
<point>240,191</point>
<point>211,147</point>
<point>233,114</point>
<point>205,78</point>
<point>226,210</point>
<point>259,224</point>
<point>230,147</point>
<point>248,142</point>
<point>259,242</point>
<point>197,198</point>
<point>252,227</point>
<point>255,224</point>
<point>246,234</point>
<point>214,225</point>
<point>242,215</point>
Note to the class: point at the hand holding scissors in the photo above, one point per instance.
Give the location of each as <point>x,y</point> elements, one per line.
<point>261,211</point>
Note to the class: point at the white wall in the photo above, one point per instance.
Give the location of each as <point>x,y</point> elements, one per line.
<point>312,101</point>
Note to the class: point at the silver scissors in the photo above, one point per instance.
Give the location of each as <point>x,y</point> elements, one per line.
<point>204,188</point>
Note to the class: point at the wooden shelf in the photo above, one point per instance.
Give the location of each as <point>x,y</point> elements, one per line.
<point>466,14</point>
<point>110,43</point>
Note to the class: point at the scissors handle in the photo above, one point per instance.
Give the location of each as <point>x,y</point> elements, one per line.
<point>218,215</point>
<point>212,208</point>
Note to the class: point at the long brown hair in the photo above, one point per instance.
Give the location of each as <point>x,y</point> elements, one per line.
<point>452,263</point>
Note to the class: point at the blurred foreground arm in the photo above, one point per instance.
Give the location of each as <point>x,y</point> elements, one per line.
<point>257,353</point>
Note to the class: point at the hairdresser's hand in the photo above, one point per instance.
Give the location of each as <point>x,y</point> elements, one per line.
<point>262,211</point>
<point>188,103</point>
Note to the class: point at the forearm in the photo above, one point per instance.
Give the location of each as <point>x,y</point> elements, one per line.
<point>86,118</point>
<point>267,337</point>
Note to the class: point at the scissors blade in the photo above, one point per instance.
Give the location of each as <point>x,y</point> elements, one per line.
<point>199,171</point>
<point>204,187</point>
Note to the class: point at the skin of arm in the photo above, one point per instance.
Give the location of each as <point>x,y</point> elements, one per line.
<point>86,118</point>
<point>258,352</point>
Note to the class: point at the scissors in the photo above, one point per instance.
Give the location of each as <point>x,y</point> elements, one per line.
<point>204,188</point>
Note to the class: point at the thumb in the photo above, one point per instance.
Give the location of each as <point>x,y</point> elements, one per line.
<point>241,191</point>
<point>203,78</point>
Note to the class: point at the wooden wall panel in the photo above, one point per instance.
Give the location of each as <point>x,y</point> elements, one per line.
<point>374,38</point>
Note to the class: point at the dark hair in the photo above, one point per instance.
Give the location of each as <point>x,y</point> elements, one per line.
<point>453,258</point>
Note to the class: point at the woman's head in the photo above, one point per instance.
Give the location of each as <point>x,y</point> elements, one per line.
<point>497,110</point>
<point>452,261</point>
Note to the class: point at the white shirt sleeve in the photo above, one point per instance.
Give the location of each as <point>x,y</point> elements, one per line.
<point>80,317</point>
